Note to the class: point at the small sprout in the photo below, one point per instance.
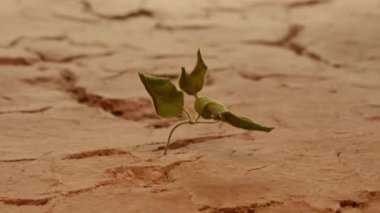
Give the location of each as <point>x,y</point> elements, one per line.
<point>169,101</point>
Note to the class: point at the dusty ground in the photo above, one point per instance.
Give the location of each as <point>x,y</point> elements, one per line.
<point>78,132</point>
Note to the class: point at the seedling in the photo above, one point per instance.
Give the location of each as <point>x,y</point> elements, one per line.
<point>169,101</point>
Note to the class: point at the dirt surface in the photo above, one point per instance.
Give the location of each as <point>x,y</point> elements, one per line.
<point>78,132</point>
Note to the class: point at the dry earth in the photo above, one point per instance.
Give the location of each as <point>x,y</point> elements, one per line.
<point>78,132</point>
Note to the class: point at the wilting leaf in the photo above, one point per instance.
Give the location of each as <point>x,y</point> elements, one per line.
<point>243,123</point>
<point>208,108</point>
<point>193,83</point>
<point>167,100</point>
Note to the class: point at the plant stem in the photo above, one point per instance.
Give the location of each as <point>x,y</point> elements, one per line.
<point>197,118</point>
<point>188,115</point>
<point>186,112</point>
<point>183,123</point>
<point>171,133</point>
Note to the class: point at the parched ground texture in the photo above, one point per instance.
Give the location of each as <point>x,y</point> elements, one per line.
<point>78,132</point>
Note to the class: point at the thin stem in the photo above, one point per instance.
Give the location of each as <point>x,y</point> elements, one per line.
<point>197,118</point>
<point>171,133</point>
<point>183,123</point>
<point>188,114</point>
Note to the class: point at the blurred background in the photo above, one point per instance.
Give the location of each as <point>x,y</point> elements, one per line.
<point>69,86</point>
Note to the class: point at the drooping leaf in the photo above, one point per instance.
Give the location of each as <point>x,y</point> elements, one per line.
<point>209,109</point>
<point>193,83</point>
<point>167,100</point>
<point>243,123</point>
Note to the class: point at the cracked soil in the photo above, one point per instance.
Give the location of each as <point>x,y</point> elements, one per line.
<point>78,132</point>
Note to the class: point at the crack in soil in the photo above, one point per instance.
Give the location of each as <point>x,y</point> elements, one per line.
<point>146,175</point>
<point>239,209</point>
<point>128,109</point>
<point>25,201</point>
<point>96,153</point>
<point>257,168</point>
<point>259,77</point>
<point>116,74</point>
<point>292,33</point>
<point>45,58</point>
<point>70,41</point>
<point>166,56</point>
<point>140,176</point>
<point>13,43</point>
<point>6,98</point>
<point>87,7</point>
<point>28,111</point>
<point>296,4</point>
<point>185,142</point>
<point>69,17</point>
<point>287,42</point>
<point>160,26</point>
<point>289,5</point>
<point>159,124</point>
<point>18,160</point>
<point>368,197</point>
<point>373,118</point>
<point>352,204</point>
<point>15,61</point>
<point>44,201</point>
<point>60,37</point>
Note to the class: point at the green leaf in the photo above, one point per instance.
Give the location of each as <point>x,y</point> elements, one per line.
<point>199,106</point>
<point>167,100</point>
<point>193,83</point>
<point>208,108</point>
<point>243,123</point>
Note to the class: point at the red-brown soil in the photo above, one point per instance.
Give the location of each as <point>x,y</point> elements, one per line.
<point>78,132</point>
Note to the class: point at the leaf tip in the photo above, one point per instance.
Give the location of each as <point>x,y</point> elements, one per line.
<point>200,59</point>
<point>141,75</point>
<point>268,129</point>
